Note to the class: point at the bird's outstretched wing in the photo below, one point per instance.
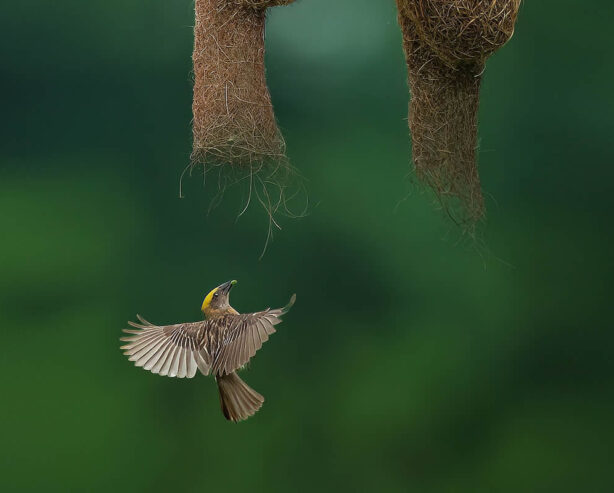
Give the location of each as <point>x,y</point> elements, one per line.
<point>240,336</point>
<point>173,350</point>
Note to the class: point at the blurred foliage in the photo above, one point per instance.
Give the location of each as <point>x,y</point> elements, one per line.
<point>411,361</point>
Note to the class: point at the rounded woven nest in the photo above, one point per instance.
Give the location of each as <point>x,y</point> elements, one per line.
<point>459,31</point>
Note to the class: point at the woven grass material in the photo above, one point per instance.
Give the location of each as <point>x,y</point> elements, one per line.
<point>233,123</point>
<point>446,44</point>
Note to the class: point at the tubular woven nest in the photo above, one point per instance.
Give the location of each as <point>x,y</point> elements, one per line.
<point>446,44</point>
<point>233,119</point>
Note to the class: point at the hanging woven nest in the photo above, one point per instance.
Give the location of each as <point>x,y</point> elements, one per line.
<point>446,45</point>
<point>234,124</point>
<point>234,128</point>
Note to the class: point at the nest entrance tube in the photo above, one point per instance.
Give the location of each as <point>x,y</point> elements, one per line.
<point>446,45</point>
<point>234,127</point>
<point>233,120</point>
<point>443,121</point>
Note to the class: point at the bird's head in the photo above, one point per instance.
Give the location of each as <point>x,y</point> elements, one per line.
<point>217,301</point>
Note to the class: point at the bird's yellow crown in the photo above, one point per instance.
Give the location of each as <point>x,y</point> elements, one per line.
<point>208,299</point>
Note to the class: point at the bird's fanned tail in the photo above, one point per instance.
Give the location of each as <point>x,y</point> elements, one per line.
<point>238,400</point>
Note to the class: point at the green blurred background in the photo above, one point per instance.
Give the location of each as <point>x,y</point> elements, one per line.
<point>412,361</point>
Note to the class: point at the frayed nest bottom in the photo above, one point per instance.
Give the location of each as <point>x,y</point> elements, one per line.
<point>275,185</point>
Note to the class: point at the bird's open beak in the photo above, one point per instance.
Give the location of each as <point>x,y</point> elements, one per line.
<point>226,287</point>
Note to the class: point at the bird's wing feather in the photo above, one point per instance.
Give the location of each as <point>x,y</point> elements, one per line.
<point>241,335</point>
<point>174,350</point>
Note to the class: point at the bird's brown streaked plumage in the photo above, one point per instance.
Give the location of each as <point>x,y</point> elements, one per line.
<point>219,345</point>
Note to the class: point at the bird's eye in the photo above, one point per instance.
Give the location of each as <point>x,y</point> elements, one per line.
<point>215,295</point>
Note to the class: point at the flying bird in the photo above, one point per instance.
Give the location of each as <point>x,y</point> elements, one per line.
<point>220,345</point>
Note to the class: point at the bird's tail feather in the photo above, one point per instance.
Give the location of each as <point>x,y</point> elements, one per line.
<point>238,400</point>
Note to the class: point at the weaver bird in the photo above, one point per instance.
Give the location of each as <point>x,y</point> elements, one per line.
<point>219,345</point>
